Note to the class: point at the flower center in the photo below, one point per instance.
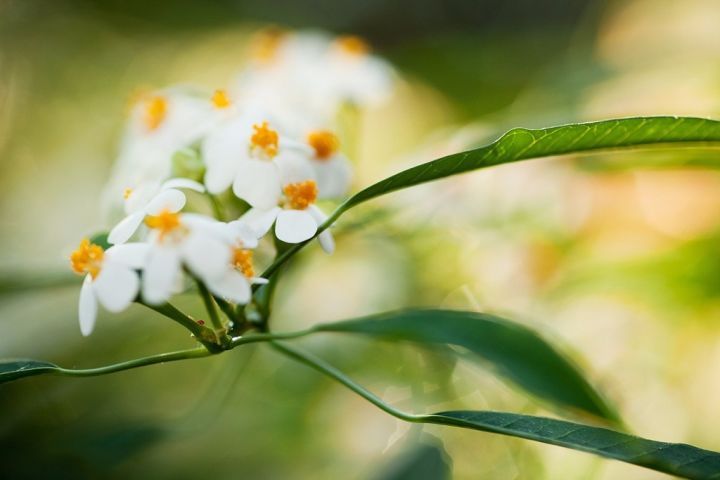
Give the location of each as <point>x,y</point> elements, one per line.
<point>264,138</point>
<point>220,99</point>
<point>165,222</point>
<point>266,44</point>
<point>87,258</point>
<point>127,192</point>
<point>300,195</point>
<point>242,260</point>
<point>325,143</point>
<point>155,111</point>
<point>353,45</point>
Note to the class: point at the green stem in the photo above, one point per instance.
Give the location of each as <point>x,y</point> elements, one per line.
<point>138,362</point>
<point>327,369</point>
<point>216,207</point>
<point>203,334</point>
<point>210,307</point>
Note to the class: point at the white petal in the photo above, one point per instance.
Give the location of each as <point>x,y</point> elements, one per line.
<point>183,183</point>
<point>171,200</point>
<point>133,255</point>
<point>205,255</point>
<point>327,242</point>
<point>258,183</point>
<point>160,274</point>
<point>87,308</point>
<point>122,232</point>
<point>245,234</point>
<point>220,176</point>
<point>294,167</point>
<point>116,286</point>
<point>232,285</point>
<point>295,226</point>
<point>333,176</point>
<point>259,281</point>
<point>261,220</point>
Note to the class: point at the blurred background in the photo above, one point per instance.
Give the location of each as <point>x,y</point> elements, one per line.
<point>614,257</point>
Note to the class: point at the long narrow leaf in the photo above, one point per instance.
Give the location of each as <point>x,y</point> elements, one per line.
<point>515,351</point>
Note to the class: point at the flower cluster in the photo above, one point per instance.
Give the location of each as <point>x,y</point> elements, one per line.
<point>263,151</point>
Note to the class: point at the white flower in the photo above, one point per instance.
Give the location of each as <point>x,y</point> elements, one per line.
<point>161,123</point>
<point>294,213</point>
<point>235,282</point>
<point>246,153</point>
<point>332,169</point>
<point>180,240</point>
<point>110,278</point>
<point>150,199</point>
<point>309,76</point>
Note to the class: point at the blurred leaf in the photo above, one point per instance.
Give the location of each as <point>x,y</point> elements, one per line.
<point>515,351</point>
<point>522,144</point>
<point>672,458</point>
<point>14,369</point>
<point>425,461</point>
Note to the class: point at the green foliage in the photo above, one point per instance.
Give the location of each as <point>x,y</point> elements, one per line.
<point>514,351</point>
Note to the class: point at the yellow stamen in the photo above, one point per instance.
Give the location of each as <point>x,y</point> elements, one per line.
<point>127,192</point>
<point>325,143</point>
<point>301,195</point>
<point>265,44</point>
<point>165,222</point>
<point>87,258</point>
<point>220,99</point>
<point>242,260</point>
<point>155,111</point>
<point>353,45</point>
<point>265,139</point>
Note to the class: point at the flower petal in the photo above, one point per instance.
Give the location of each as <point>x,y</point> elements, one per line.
<point>133,255</point>
<point>160,274</point>
<point>122,232</point>
<point>261,220</point>
<point>205,255</point>
<point>327,242</point>
<point>294,167</point>
<point>333,176</point>
<point>177,183</point>
<point>171,200</point>
<point>87,307</point>
<point>232,285</point>
<point>116,287</point>
<point>295,226</point>
<point>258,183</point>
<point>244,233</point>
<point>222,150</point>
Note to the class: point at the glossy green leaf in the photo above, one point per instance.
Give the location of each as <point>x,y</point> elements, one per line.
<point>14,369</point>
<point>513,350</point>
<point>673,458</point>
<point>522,144</point>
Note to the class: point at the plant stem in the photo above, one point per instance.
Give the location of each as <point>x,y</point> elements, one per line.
<point>216,207</point>
<point>327,369</point>
<point>203,334</point>
<point>210,307</point>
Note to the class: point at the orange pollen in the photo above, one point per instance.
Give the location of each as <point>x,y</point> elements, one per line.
<point>353,45</point>
<point>325,143</point>
<point>300,195</point>
<point>165,222</point>
<point>155,111</point>
<point>243,261</point>
<point>127,192</point>
<point>220,99</point>
<point>265,138</point>
<point>87,258</point>
<point>266,44</point>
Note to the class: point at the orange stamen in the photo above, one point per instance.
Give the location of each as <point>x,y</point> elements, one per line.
<point>155,111</point>
<point>325,143</point>
<point>165,222</point>
<point>301,195</point>
<point>220,99</point>
<point>353,45</point>
<point>265,139</point>
<point>265,44</point>
<point>242,260</point>
<point>87,258</point>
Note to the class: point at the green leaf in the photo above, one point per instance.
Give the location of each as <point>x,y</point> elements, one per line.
<point>522,144</point>
<point>673,458</point>
<point>516,352</point>
<point>14,369</point>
